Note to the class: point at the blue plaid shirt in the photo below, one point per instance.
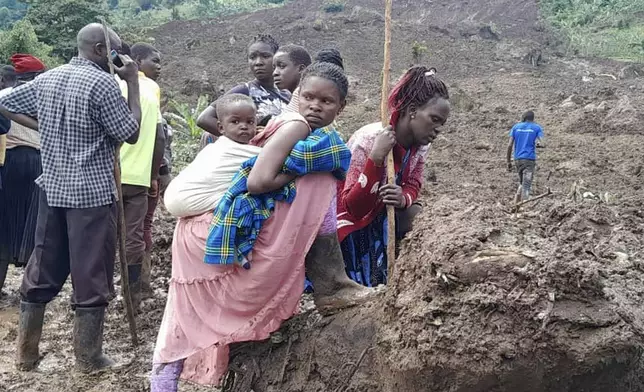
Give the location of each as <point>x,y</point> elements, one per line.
<point>82,117</point>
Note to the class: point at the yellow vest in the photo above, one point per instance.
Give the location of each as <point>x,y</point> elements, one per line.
<point>136,159</point>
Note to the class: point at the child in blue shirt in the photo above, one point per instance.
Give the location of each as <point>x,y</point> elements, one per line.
<point>524,138</point>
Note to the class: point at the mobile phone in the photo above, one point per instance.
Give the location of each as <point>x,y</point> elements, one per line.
<point>116,60</point>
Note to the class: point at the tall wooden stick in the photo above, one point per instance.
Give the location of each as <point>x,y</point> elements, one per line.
<point>125,279</point>
<point>384,115</point>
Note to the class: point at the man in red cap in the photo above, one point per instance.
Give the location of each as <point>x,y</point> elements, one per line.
<point>27,66</point>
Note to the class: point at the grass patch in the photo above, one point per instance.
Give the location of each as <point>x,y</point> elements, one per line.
<point>603,28</point>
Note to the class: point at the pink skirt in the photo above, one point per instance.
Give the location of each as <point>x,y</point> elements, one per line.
<point>212,306</point>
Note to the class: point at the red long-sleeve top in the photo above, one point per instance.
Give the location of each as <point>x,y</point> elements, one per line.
<point>358,201</point>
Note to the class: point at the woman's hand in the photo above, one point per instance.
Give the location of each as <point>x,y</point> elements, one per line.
<point>385,141</point>
<point>392,195</point>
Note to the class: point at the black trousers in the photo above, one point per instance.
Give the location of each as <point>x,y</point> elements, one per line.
<point>76,241</point>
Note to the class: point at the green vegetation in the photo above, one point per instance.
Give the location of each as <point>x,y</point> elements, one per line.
<point>22,39</point>
<point>332,6</point>
<point>605,28</point>
<point>418,51</point>
<point>54,23</point>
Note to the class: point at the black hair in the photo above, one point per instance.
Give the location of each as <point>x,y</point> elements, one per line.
<point>298,54</point>
<point>126,49</point>
<point>142,51</point>
<point>416,88</point>
<point>229,99</point>
<point>330,55</point>
<point>8,73</point>
<point>528,116</point>
<point>330,72</point>
<point>268,40</point>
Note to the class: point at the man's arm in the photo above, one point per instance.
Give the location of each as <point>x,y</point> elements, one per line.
<point>134,103</point>
<point>509,153</point>
<point>21,105</point>
<point>130,73</point>
<point>21,119</point>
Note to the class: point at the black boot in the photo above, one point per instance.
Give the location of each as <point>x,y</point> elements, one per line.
<point>29,333</point>
<point>134,278</point>
<point>88,340</point>
<point>333,290</point>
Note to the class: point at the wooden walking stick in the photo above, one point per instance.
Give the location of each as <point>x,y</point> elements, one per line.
<point>384,115</point>
<point>125,282</point>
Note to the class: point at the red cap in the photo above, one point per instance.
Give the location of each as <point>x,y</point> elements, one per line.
<point>24,63</point>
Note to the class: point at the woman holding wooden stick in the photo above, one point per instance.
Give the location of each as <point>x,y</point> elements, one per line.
<point>419,105</point>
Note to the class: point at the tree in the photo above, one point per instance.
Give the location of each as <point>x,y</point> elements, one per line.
<point>6,18</point>
<point>57,22</point>
<point>22,39</point>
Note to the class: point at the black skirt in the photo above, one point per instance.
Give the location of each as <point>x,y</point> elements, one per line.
<point>19,204</point>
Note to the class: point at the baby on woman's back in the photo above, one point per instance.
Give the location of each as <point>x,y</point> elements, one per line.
<point>200,186</point>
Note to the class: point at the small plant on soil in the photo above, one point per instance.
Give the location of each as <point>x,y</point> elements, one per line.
<point>333,6</point>
<point>418,51</point>
<point>185,117</point>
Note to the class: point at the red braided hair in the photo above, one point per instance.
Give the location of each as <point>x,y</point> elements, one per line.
<point>416,88</point>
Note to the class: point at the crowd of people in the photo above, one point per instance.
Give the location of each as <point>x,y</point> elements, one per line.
<point>274,199</point>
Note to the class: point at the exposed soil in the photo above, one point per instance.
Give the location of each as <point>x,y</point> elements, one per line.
<point>482,299</point>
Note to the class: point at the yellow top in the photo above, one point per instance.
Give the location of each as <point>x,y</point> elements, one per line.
<point>136,159</point>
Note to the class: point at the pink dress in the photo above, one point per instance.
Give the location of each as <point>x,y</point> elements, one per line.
<point>212,306</point>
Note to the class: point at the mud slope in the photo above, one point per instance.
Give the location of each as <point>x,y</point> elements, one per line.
<point>482,300</point>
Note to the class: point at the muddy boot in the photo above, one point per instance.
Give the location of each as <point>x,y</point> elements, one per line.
<point>333,290</point>
<point>146,276</point>
<point>88,340</point>
<point>134,278</point>
<point>29,332</point>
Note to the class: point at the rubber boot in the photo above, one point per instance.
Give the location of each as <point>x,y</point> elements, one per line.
<point>333,290</point>
<point>134,278</point>
<point>29,333</point>
<point>88,340</point>
<point>146,276</point>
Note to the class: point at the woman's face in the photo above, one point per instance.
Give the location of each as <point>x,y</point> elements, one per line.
<point>320,101</point>
<point>285,73</point>
<point>426,121</point>
<point>260,59</point>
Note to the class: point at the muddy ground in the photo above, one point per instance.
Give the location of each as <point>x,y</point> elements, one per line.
<point>483,299</point>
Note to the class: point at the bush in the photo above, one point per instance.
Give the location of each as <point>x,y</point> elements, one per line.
<point>22,39</point>
<point>333,6</point>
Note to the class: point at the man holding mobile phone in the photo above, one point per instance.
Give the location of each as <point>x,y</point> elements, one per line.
<point>82,116</point>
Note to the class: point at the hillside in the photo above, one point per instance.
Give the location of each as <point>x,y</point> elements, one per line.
<point>545,300</point>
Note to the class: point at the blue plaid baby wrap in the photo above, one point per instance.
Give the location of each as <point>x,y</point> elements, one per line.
<point>239,216</point>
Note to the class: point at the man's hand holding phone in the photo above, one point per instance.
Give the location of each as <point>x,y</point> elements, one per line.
<point>125,67</point>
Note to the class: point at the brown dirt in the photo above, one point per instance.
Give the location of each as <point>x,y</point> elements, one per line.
<point>482,300</point>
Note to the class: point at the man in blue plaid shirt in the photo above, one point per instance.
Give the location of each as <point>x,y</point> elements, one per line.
<point>82,116</point>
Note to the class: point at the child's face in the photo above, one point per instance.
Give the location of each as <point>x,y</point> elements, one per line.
<point>237,122</point>
<point>151,65</point>
<point>320,101</point>
<point>286,74</point>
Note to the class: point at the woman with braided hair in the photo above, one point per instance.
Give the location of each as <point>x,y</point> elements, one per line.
<point>419,105</point>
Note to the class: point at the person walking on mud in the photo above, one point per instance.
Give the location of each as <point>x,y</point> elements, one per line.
<point>82,116</point>
<point>524,139</point>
